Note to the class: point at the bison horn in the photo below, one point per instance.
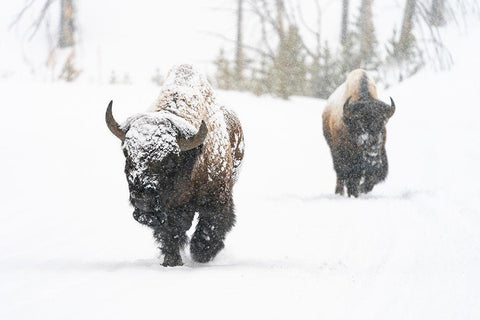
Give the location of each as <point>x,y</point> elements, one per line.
<point>112,124</point>
<point>391,108</point>
<point>195,141</point>
<point>346,110</point>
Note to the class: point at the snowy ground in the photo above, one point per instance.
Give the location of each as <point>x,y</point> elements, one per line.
<point>70,249</point>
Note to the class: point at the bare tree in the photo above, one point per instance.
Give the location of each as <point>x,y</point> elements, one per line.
<point>65,38</point>
<point>239,55</point>
<point>280,17</point>
<point>407,24</point>
<point>67,24</point>
<point>67,20</point>
<point>366,31</point>
<point>437,13</point>
<point>344,30</point>
<point>40,18</point>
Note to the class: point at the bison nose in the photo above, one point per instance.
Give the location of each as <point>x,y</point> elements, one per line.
<point>141,201</point>
<point>148,192</point>
<point>143,193</point>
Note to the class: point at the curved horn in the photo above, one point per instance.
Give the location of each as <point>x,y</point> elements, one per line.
<point>345,106</point>
<point>112,124</point>
<point>391,108</point>
<point>195,141</point>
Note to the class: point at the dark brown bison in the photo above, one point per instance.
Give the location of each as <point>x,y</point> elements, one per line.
<point>183,157</point>
<point>354,126</point>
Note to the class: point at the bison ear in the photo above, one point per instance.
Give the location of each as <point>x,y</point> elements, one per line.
<point>112,123</point>
<point>391,108</point>
<point>346,109</point>
<point>194,141</point>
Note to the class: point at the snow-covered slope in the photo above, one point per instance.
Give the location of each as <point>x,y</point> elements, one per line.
<point>70,248</point>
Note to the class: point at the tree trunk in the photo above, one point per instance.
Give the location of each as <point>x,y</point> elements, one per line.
<point>239,56</point>
<point>407,25</point>
<point>67,24</point>
<point>280,13</point>
<point>344,32</point>
<point>367,33</point>
<point>437,17</point>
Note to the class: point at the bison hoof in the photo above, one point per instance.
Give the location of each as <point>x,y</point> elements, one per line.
<point>203,251</point>
<point>172,261</point>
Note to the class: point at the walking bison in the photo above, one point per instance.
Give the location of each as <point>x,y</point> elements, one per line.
<point>183,157</point>
<point>354,123</point>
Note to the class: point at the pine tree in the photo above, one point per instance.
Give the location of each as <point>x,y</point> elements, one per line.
<point>330,73</point>
<point>113,78</point>
<point>224,74</point>
<point>348,57</point>
<point>157,77</point>
<point>288,76</point>
<point>365,55</point>
<point>404,59</point>
<point>259,82</point>
<point>314,78</point>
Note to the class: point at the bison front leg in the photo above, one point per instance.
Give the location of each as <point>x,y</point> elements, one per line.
<point>213,224</point>
<point>341,165</point>
<point>354,175</point>
<point>339,188</point>
<point>367,185</point>
<point>353,185</point>
<point>172,236</point>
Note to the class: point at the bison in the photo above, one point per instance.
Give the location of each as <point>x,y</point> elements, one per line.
<point>183,157</point>
<point>354,123</point>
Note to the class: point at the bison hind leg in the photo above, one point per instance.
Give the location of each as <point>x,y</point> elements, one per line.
<point>213,224</point>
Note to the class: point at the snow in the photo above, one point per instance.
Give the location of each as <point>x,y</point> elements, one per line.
<point>149,138</point>
<point>70,248</point>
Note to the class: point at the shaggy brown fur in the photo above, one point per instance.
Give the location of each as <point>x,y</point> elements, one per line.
<point>354,127</point>
<point>218,164</point>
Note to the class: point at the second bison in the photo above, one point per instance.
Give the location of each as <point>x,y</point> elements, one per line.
<point>354,126</point>
<point>183,157</point>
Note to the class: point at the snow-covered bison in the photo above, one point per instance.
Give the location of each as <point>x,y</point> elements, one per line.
<point>354,126</point>
<point>183,157</point>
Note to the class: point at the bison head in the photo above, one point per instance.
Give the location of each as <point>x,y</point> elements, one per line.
<point>160,151</point>
<point>366,120</point>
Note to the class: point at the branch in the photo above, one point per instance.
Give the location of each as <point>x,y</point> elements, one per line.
<point>20,14</point>
<point>245,46</point>
<point>316,33</point>
<point>39,20</point>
